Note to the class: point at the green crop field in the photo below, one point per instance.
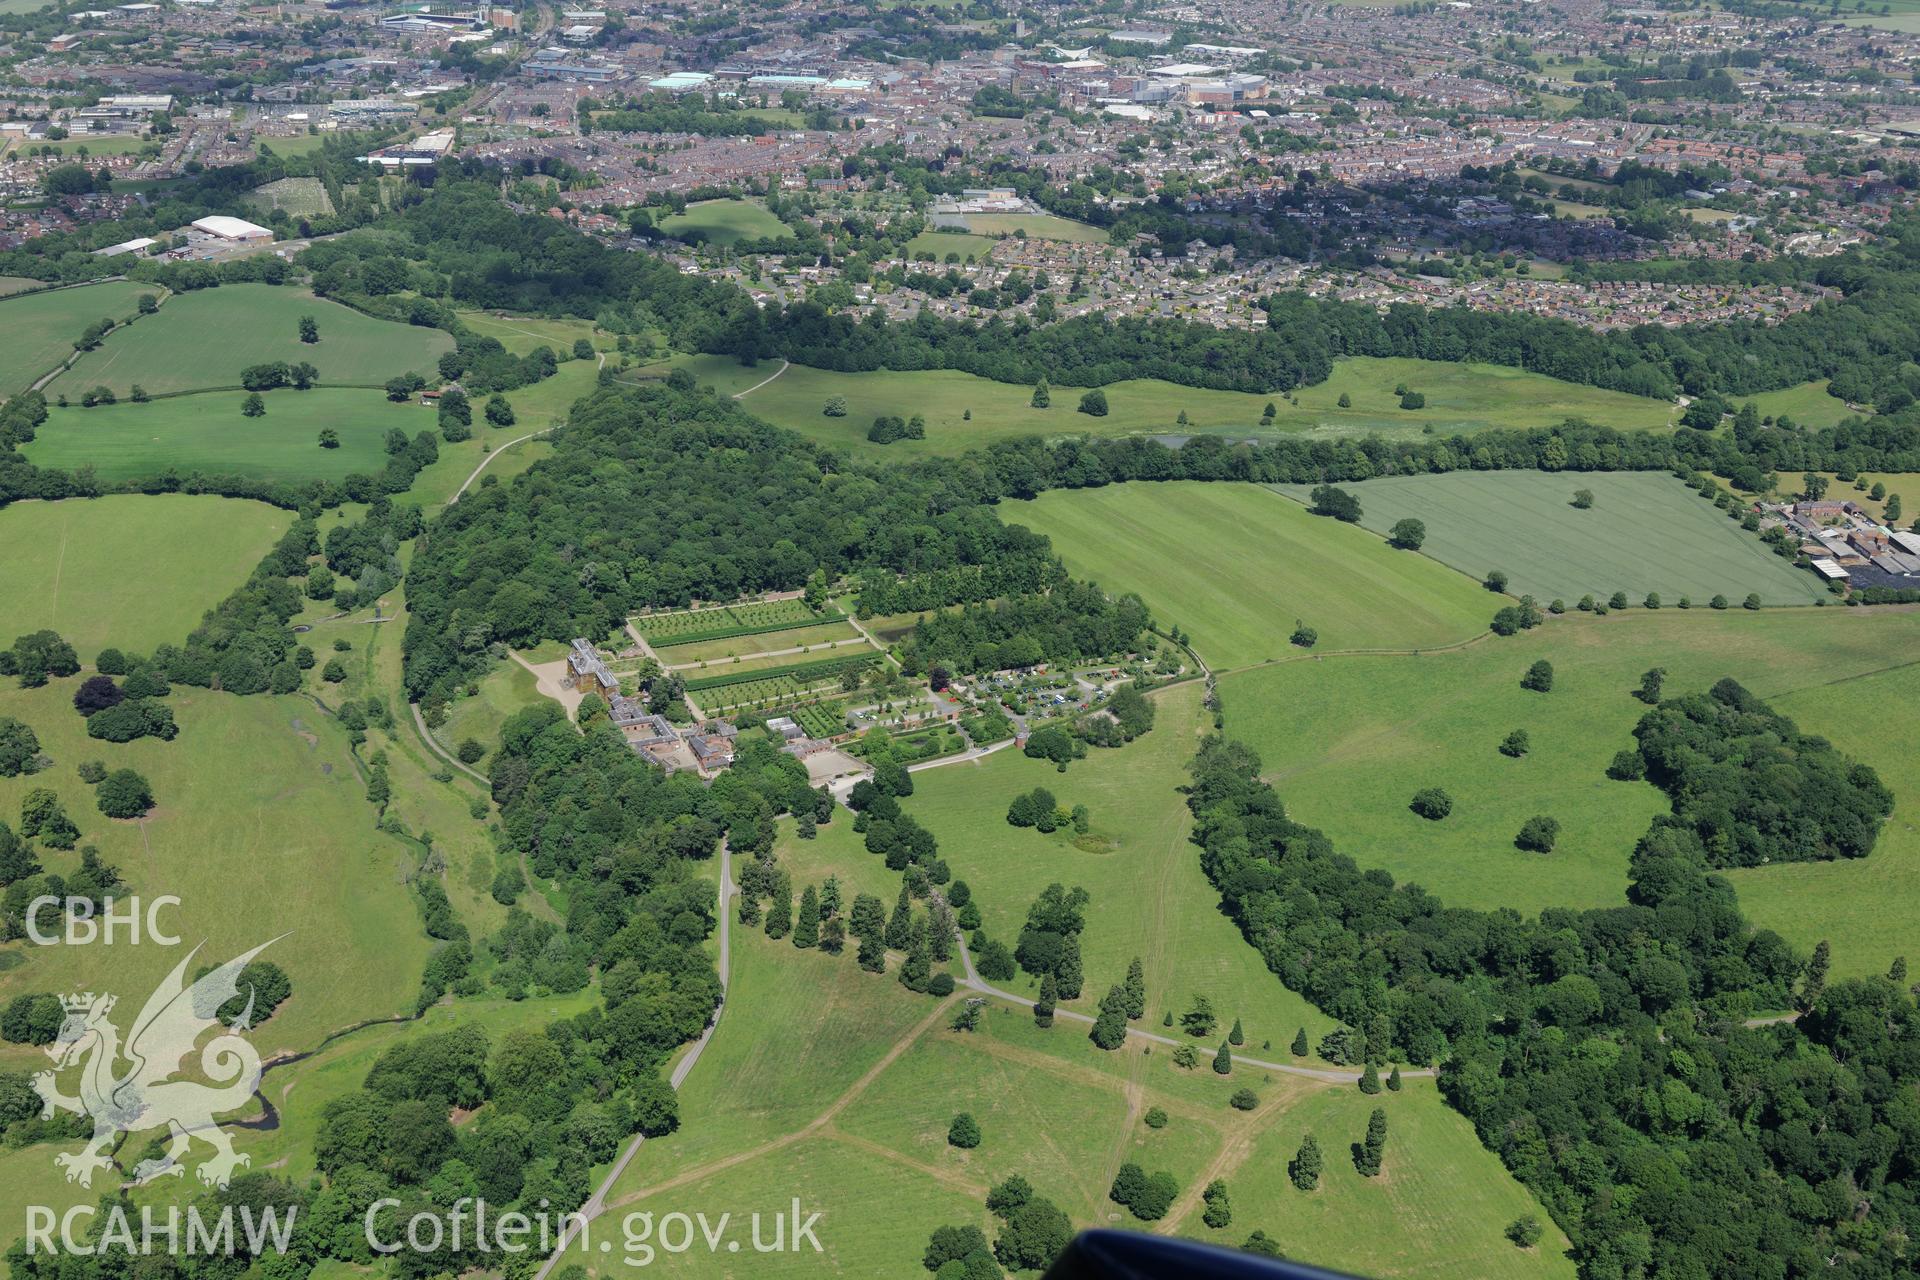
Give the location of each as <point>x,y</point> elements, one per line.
<point>129,571</point>
<point>204,339</point>
<point>726,222</point>
<point>1348,740</point>
<point>1038,226</point>
<point>261,828</point>
<point>1149,896</point>
<point>1234,566</point>
<point>689,625</point>
<point>826,633</point>
<point>41,327</point>
<point>1646,532</point>
<point>207,433</point>
<point>1464,398</point>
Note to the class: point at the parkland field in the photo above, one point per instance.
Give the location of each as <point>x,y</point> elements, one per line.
<point>207,433</point>
<point>205,338</point>
<point>41,327</point>
<point>1645,532</point>
<point>1348,740</point>
<point>837,1086</point>
<point>1236,566</point>
<point>963,411</point>
<point>261,828</point>
<point>131,571</point>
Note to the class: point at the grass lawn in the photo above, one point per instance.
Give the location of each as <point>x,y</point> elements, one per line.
<point>505,690</point>
<point>262,828</point>
<point>1808,405</point>
<point>204,339</point>
<point>1459,398</point>
<point>1438,1208</point>
<point>1347,741</point>
<point>726,222</point>
<point>302,144</point>
<point>132,571</point>
<point>942,243</point>
<point>1149,896</point>
<point>1038,226</point>
<point>207,433</point>
<point>1646,531</point>
<point>41,327</point>
<point>19,284</point>
<point>1234,566</point>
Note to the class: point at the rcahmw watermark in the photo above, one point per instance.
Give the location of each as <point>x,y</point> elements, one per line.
<point>468,1226</point>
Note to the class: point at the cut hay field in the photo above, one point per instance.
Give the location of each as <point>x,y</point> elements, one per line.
<point>1348,740</point>
<point>1234,566</point>
<point>261,828</point>
<point>726,222</point>
<point>41,327</point>
<point>205,338</point>
<point>1149,896</point>
<point>207,433</point>
<point>300,197</point>
<point>1462,398</point>
<point>132,571</point>
<point>1646,532</point>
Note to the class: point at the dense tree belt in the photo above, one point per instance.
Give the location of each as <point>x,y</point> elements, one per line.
<point>1601,1053</point>
<point>1751,788</point>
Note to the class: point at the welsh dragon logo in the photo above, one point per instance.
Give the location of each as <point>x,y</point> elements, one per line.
<point>143,1096</point>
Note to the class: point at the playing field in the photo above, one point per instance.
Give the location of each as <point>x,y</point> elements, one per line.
<point>1038,226</point>
<point>1149,897</point>
<point>1234,566</point>
<point>963,411</point>
<point>205,338</point>
<point>207,433</point>
<point>1348,740</point>
<point>1646,532</point>
<point>261,828</point>
<point>726,222</point>
<point>941,243</point>
<point>41,327</point>
<point>130,571</point>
